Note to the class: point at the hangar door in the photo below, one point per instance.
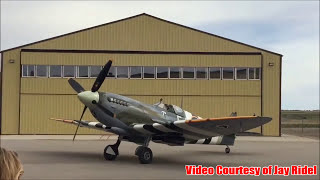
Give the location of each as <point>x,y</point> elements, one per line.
<point>45,97</point>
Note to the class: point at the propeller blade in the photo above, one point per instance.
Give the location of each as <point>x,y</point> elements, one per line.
<point>84,110</point>
<point>102,75</point>
<point>75,85</point>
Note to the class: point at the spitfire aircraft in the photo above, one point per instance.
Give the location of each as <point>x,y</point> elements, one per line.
<point>141,123</point>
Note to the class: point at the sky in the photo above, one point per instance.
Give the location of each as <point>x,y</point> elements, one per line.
<point>290,28</point>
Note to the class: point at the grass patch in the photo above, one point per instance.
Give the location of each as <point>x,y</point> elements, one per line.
<point>300,125</point>
<point>300,115</point>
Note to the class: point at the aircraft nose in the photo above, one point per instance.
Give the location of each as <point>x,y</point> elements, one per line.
<point>89,98</point>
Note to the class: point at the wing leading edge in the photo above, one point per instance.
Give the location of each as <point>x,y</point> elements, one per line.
<point>204,128</point>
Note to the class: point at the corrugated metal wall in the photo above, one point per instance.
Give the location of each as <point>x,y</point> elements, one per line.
<point>215,97</point>
<point>142,33</point>
<point>37,109</point>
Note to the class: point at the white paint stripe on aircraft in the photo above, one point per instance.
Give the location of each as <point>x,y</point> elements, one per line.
<point>201,141</point>
<point>162,128</point>
<point>216,140</point>
<point>139,127</point>
<point>182,124</point>
<point>92,123</point>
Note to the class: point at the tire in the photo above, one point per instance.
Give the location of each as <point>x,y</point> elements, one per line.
<point>145,155</point>
<point>138,150</point>
<point>227,150</point>
<point>108,156</point>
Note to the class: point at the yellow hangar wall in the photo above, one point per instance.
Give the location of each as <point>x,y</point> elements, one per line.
<point>207,98</point>
<point>27,103</point>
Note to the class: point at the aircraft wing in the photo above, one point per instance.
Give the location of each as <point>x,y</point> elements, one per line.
<point>224,125</point>
<point>204,128</point>
<point>83,123</point>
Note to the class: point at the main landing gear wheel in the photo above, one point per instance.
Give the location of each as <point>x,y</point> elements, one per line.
<point>111,151</point>
<point>144,154</point>
<point>227,150</point>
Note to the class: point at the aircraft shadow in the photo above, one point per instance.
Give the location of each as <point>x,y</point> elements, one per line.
<point>163,160</point>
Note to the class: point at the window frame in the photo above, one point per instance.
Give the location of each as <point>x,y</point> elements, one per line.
<point>220,73</point>
<point>194,73</point>
<point>77,72</point>
<point>49,71</point>
<point>141,72</point>
<point>254,73</point>
<point>207,73</point>
<point>36,71</point>
<point>236,73</point>
<point>74,71</point>
<point>122,77</point>
<point>232,73</point>
<point>255,78</point>
<point>169,72</point>
<point>101,67</point>
<point>154,71</point>
<point>27,66</point>
<point>157,72</point>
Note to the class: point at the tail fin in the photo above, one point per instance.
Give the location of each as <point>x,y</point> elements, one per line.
<point>218,140</point>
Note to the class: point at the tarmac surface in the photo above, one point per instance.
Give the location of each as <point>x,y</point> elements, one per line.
<point>57,157</point>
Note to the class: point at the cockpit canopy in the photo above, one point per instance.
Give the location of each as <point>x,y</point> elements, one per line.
<point>172,108</point>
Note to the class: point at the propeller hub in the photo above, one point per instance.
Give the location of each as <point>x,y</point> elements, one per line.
<point>88,97</point>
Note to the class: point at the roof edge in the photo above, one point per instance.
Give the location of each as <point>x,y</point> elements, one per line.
<point>127,18</point>
<point>213,35</point>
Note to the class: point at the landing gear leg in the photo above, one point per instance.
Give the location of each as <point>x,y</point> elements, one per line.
<point>227,150</point>
<point>144,153</point>
<point>111,151</point>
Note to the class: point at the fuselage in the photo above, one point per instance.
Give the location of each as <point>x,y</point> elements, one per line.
<point>122,112</point>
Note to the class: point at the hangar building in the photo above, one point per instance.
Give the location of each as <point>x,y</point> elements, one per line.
<point>152,58</point>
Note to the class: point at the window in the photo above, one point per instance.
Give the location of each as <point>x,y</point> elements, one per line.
<point>202,73</point>
<point>95,70</point>
<point>227,73</point>
<point>55,71</point>
<point>24,70</point>
<point>188,73</point>
<point>241,73</point>
<point>112,72</point>
<point>83,71</point>
<point>257,74</point>
<point>215,73</point>
<point>162,72</point>
<point>251,73</point>
<point>69,71</point>
<point>136,72</point>
<point>42,71</point>
<point>122,72</point>
<point>175,72</point>
<point>28,71</point>
<point>148,72</point>
<point>254,73</point>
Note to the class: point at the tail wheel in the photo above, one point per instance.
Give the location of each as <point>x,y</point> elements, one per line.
<point>227,150</point>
